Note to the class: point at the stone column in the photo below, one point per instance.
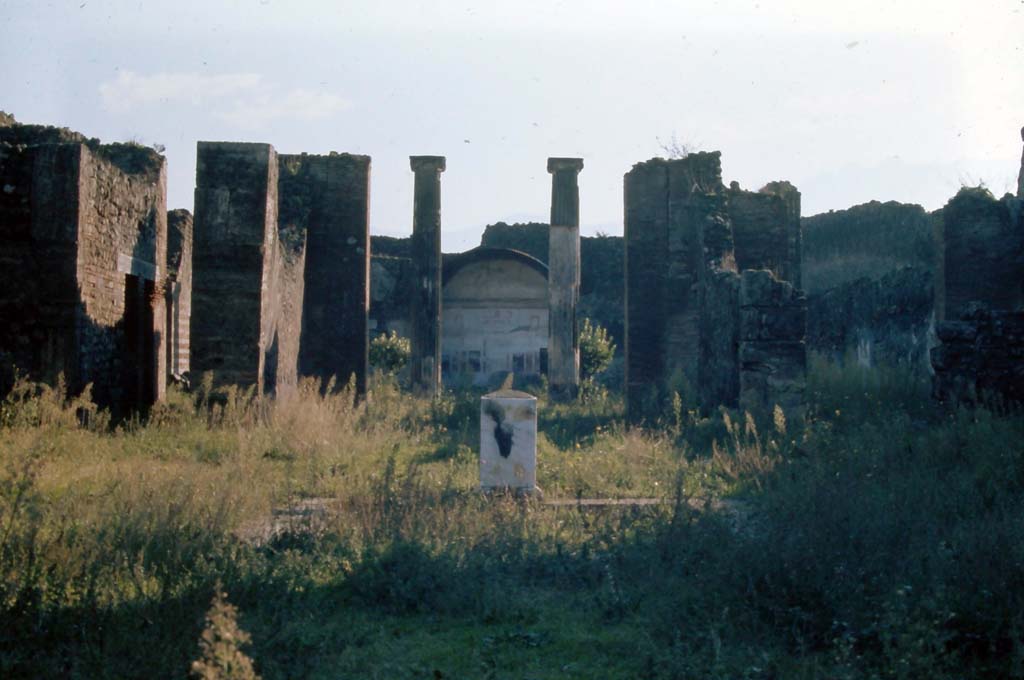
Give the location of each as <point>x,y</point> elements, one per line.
<point>425,298</point>
<point>564,278</point>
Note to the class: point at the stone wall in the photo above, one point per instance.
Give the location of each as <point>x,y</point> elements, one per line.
<point>281,323</point>
<point>179,274</point>
<point>889,321</point>
<point>772,353</point>
<point>686,237</point>
<point>327,197</point>
<point>38,271</point>
<point>390,278</point>
<point>981,358</point>
<point>982,253</point>
<point>122,244</point>
<point>766,229</point>
<point>83,233</point>
<point>719,370</point>
<point>234,247</point>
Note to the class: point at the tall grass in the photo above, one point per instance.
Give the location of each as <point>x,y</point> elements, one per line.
<point>881,539</point>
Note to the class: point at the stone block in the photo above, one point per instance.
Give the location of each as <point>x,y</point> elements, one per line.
<point>508,441</point>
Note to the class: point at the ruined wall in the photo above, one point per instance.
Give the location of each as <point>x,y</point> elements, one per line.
<point>719,369</point>
<point>772,354</point>
<point>38,242</point>
<point>766,229</point>
<point>677,231</point>
<point>281,323</point>
<point>982,253</point>
<point>390,278</point>
<point>234,248</point>
<point>328,198</point>
<point>888,321</point>
<point>83,229</point>
<point>981,357</point>
<point>179,274</point>
<point>122,251</point>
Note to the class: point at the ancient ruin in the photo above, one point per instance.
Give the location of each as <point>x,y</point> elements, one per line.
<point>83,259</point>
<point>281,266</point>
<point>271,280</point>
<point>687,238</point>
<point>564,278</point>
<point>495,311</point>
<point>425,306</point>
<point>980,300</point>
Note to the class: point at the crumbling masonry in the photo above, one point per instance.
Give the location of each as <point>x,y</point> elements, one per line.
<point>693,326</point>
<point>83,249</point>
<point>980,298</point>
<point>281,266</point>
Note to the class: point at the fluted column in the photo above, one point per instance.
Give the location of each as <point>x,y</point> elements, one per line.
<point>425,302</point>
<point>564,278</point>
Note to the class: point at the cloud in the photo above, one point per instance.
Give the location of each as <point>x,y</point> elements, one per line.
<point>131,91</point>
<point>242,99</point>
<point>296,104</point>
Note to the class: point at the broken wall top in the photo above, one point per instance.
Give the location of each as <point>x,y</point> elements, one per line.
<point>700,171</point>
<point>131,158</point>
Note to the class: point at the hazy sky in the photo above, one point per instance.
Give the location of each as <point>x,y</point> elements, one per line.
<point>850,101</point>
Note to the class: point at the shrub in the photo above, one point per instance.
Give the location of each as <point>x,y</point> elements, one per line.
<point>596,349</point>
<point>221,644</point>
<point>389,352</point>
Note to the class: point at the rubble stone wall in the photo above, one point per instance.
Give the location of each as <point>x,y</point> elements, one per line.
<point>686,238</point>
<point>766,229</point>
<point>38,235</point>
<point>772,353</point>
<point>981,357</point>
<point>122,242</point>
<point>982,253</point>
<point>83,234</point>
<point>719,339</point>
<point>889,321</point>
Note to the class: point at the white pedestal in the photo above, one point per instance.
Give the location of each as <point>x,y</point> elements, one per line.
<point>508,441</point>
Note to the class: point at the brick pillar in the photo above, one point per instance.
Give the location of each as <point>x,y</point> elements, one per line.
<point>564,278</point>
<point>329,196</point>
<point>425,300</point>
<point>234,237</point>
<point>645,189</point>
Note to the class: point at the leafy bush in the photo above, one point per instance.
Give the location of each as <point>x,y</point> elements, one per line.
<point>596,349</point>
<point>389,352</point>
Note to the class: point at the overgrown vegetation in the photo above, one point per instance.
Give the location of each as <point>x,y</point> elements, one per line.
<point>868,240</point>
<point>884,539</point>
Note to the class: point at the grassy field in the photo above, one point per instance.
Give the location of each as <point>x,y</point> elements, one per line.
<point>882,539</point>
